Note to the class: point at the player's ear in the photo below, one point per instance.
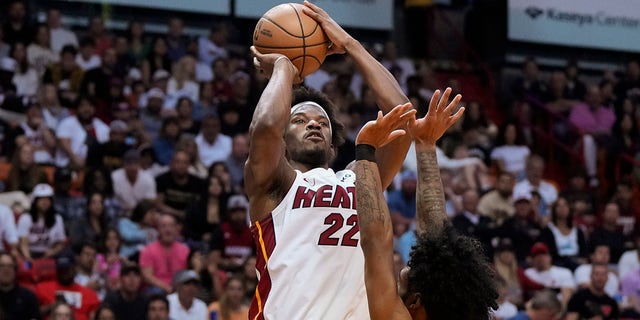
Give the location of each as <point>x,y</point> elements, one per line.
<point>413,301</point>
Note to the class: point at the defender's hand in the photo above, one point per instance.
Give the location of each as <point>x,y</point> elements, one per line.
<point>384,129</point>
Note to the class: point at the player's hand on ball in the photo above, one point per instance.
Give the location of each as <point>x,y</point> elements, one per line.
<point>384,129</point>
<point>439,118</point>
<point>338,36</point>
<point>265,63</point>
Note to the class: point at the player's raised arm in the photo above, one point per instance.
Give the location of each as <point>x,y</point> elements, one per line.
<point>376,232</point>
<point>430,203</point>
<point>267,165</point>
<point>384,86</point>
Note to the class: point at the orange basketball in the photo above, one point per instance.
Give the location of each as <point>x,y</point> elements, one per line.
<point>285,29</point>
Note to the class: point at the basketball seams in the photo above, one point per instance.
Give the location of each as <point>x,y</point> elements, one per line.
<point>304,38</point>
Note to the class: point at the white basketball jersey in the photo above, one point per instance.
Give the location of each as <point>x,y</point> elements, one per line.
<point>309,259</point>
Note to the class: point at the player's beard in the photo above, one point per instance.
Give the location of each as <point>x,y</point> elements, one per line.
<point>313,157</point>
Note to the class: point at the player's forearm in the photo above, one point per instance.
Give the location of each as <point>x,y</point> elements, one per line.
<point>385,87</point>
<point>274,107</point>
<point>431,214</point>
<point>373,213</point>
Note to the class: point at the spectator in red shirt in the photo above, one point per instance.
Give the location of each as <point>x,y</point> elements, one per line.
<point>161,259</point>
<point>83,301</point>
<point>237,243</point>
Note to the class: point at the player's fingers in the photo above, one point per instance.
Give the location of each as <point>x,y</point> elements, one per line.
<point>457,115</point>
<point>393,135</point>
<point>434,100</point>
<point>444,99</point>
<point>453,104</point>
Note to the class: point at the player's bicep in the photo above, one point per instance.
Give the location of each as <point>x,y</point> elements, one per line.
<point>266,160</point>
<point>382,290</point>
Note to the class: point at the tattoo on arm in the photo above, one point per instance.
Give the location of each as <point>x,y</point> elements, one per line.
<point>372,207</point>
<point>430,203</point>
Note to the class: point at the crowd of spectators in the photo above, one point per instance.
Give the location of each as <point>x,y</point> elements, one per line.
<point>122,155</point>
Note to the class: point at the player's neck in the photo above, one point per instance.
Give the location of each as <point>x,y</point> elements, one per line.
<point>305,167</point>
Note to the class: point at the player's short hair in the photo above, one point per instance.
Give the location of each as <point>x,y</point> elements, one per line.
<point>302,94</point>
<point>452,276</point>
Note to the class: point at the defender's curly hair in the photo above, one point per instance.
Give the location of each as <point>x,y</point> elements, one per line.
<point>301,94</point>
<point>453,277</point>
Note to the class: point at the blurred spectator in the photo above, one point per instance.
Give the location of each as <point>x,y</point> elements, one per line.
<point>534,181</point>
<point>231,305</point>
<point>213,47</point>
<point>249,276</point>
<point>131,184</point>
<point>186,121</point>
<point>566,242</point>
<point>212,278</point>
<point>161,259</point>
<point>189,146</point>
<point>206,104</point>
<point>575,88</point>
<point>16,302</point>
<point>92,225</point>
<point>471,223</point>
<point>61,311</point>
<point>221,86</point>
<point>235,161</point>
<point>595,122</point>
<point>593,301</point>
<point>139,230</point>
<point>238,243</point>
<point>34,131</point>
<point>599,256</point>
<point>165,144</point>
<point>204,217</point>
<point>219,169</point>
<point>156,59</point>
<point>65,75</point>
<point>67,202</point>
<point>528,83</point>
<point>86,273</point>
<point>41,231</point>
<point>16,28</point>
<point>402,202</point>
<point>87,57</point>
<point>137,41</point>
<point>235,114</point>
<point>52,111</point>
<point>98,180</point>
<point>104,313</point>
<point>24,174</point>
<point>158,308</point>
<point>175,39</point>
<point>108,260</point>
<point>4,47</point>
<point>151,113</point>
<point>127,302</point>
<point>212,145</point>
<point>98,80</point>
<point>182,82</point>
<point>25,77</point>
<point>109,154</point>
<point>478,130</point>
<point>609,232</point>
<point>626,142</point>
<point>149,163</point>
<point>8,231</point>
<point>101,37</point>
<point>521,228</point>
<point>518,287</point>
<point>497,204</point>
<point>628,199</point>
<point>577,189</point>
<point>506,309</point>
<point>78,132</point>
<point>82,300</point>
<point>544,305</point>
<point>630,80</point>
<point>402,66</point>
<point>60,36</point>
<point>548,275</point>
<point>630,289</point>
<point>183,303</point>
<point>39,52</point>
<point>510,153</point>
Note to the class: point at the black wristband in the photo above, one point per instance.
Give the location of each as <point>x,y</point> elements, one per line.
<point>365,152</point>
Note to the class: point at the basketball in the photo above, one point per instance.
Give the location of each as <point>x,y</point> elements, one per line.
<point>285,29</point>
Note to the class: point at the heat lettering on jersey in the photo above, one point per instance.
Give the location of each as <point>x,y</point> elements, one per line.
<point>328,196</point>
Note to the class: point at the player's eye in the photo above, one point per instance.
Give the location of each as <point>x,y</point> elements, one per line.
<point>324,123</point>
<point>298,121</point>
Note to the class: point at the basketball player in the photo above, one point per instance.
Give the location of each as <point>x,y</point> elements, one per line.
<point>447,276</point>
<point>303,213</point>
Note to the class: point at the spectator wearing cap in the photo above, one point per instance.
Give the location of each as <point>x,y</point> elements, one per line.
<point>16,302</point>
<point>238,244</point>
<point>151,114</point>
<point>130,184</point>
<point>156,59</point>
<point>77,133</point>
<point>521,228</point>
<point>109,154</point>
<point>517,285</point>
<point>212,144</point>
<point>41,231</point>
<point>66,201</point>
<point>177,189</point>
<point>65,75</point>
<point>83,301</point>
<point>127,302</point>
<point>548,275</point>
<point>183,303</point>
<point>471,223</point>
<point>497,204</point>
<point>402,202</point>
<point>161,259</point>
